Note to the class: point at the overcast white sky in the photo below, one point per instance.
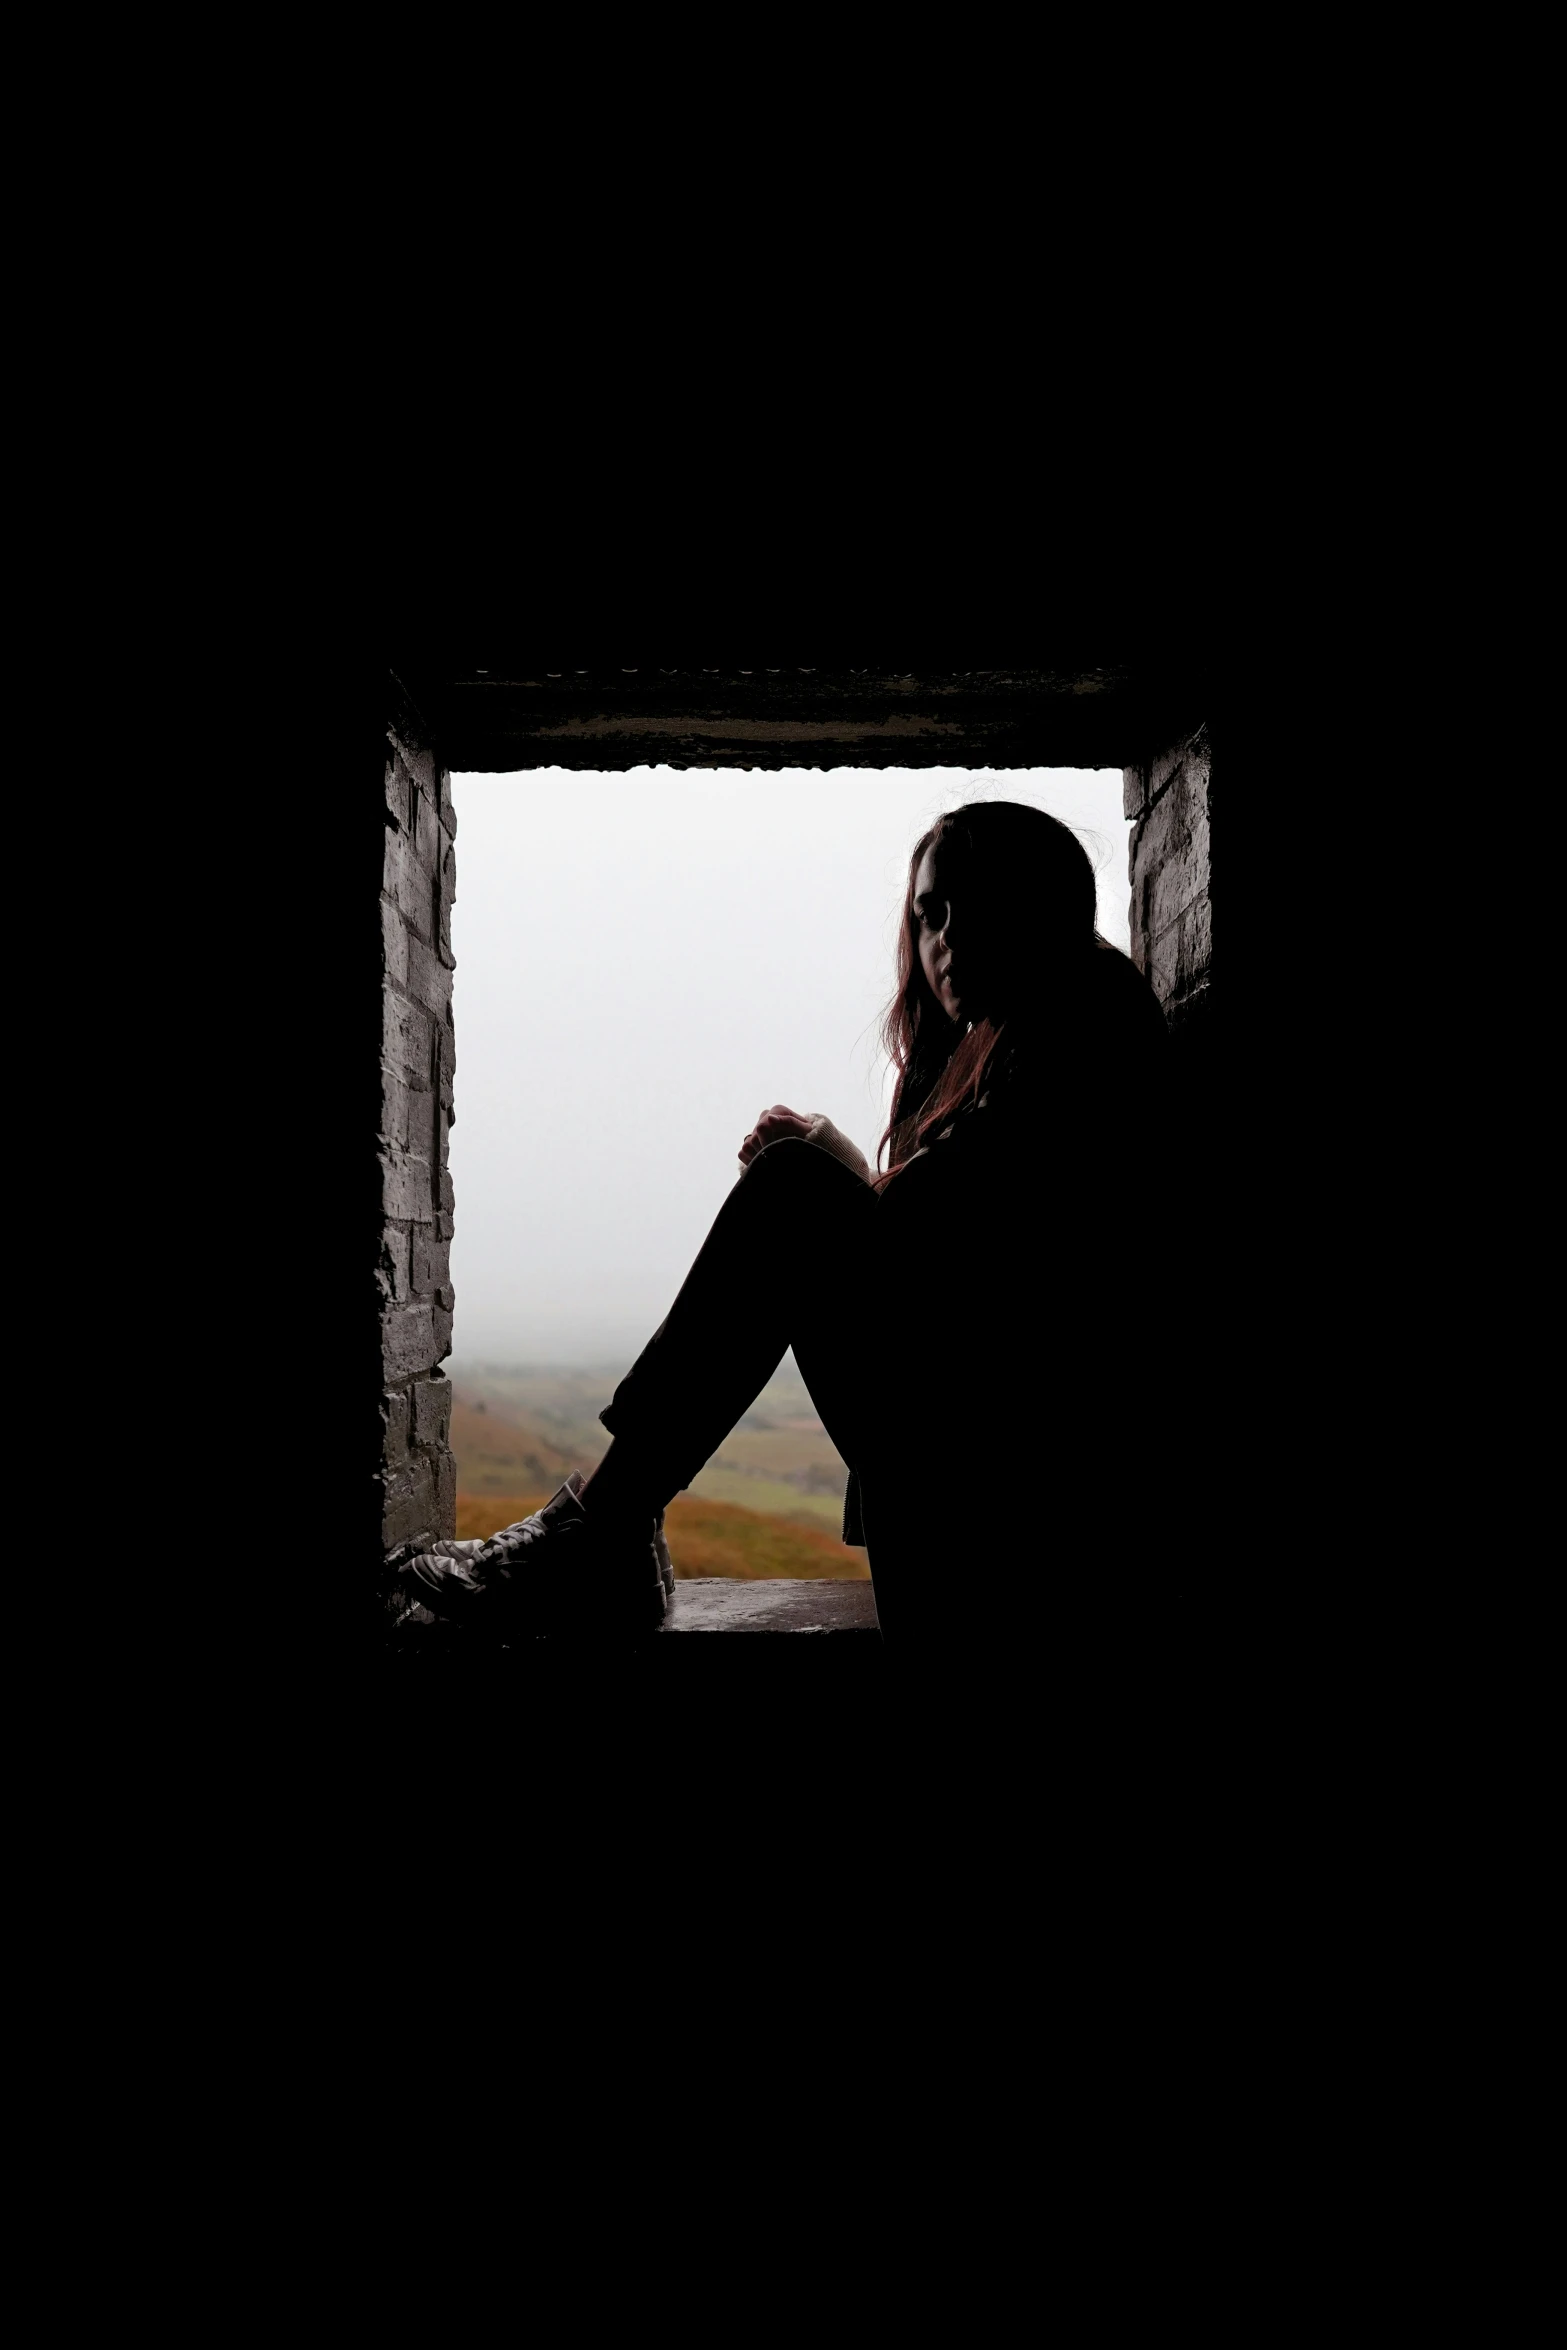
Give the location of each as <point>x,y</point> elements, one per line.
<point>645,961</point>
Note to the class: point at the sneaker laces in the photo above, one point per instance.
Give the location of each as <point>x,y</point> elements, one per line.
<point>501,1548</point>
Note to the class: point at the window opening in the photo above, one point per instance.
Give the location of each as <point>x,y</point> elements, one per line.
<point>644,961</point>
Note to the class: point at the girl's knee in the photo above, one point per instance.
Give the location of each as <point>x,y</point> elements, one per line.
<point>794,1160</point>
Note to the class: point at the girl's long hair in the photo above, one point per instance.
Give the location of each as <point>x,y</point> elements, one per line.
<point>1031,884</point>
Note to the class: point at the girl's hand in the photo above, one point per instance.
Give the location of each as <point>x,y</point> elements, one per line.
<point>775,1125</point>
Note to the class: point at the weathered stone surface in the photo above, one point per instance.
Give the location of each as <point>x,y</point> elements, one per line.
<point>1177,825</point>
<point>445,1493</point>
<point>410,1506</point>
<point>1160,771</point>
<point>1134,797</point>
<point>429,840</point>
<point>405,1187</point>
<point>394,943</point>
<point>432,1409</point>
<point>396,1127</point>
<point>395,1265</point>
<point>1169,861</point>
<point>407,1341</point>
<point>432,1135</point>
<point>1194,954</point>
<point>406,1037</point>
<point>431,1263</point>
<point>418,876</point>
<point>1179,958</point>
<point>429,977</point>
<point>1159,964</point>
<point>395,1424</point>
<point>448,900</point>
<point>409,884</point>
<point>1175,885</point>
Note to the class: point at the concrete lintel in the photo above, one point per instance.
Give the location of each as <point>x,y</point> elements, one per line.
<point>1115,715</point>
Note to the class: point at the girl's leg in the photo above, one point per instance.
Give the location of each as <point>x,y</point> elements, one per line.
<point>789,1262</point>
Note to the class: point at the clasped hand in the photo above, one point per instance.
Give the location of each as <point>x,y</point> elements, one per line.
<point>780,1124</point>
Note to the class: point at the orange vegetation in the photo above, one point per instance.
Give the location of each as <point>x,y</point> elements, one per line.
<point>704,1537</point>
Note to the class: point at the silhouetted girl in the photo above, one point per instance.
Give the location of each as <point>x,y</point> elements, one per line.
<point>941,1311</point>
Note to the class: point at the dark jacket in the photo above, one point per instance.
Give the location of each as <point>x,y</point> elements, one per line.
<point>999,1238</point>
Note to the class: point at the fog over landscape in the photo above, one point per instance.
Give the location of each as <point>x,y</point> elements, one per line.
<point>645,961</point>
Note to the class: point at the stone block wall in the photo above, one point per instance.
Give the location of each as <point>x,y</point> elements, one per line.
<point>1170,800</point>
<point>418,1060</point>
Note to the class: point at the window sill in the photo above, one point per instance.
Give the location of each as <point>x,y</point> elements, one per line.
<point>710,1603</point>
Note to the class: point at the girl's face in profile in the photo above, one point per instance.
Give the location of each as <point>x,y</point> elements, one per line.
<point>944,912</point>
<point>990,935</point>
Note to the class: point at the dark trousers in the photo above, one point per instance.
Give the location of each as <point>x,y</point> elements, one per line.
<point>791,1260</point>
<point>797,1257</point>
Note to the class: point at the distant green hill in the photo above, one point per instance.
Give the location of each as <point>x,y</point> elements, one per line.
<point>498,1453</point>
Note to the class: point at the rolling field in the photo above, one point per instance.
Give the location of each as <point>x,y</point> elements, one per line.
<point>770,1502</point>
<point>705,1538</point>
